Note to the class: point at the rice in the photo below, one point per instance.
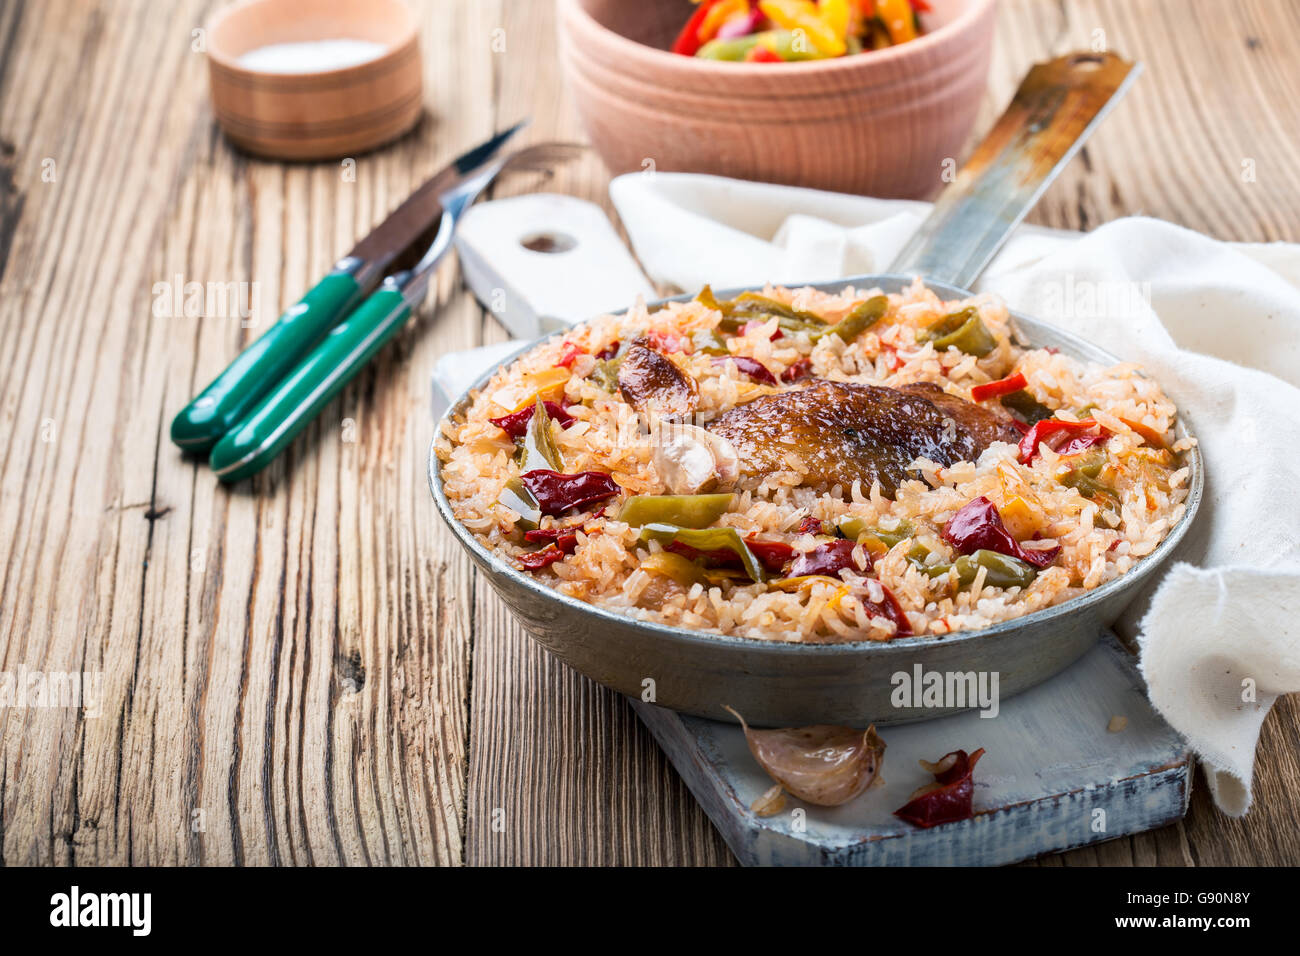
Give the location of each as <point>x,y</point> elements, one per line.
<point>1100,538</point>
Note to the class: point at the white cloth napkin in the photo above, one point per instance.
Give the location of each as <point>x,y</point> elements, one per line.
<point>1218,324</point>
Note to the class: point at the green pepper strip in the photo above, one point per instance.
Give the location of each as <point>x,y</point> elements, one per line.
<point>685,511</point>
<point>753,306</point>
<point>862,317</point>
<point>1028,407</point>
<point>964,330</point>
<point>605,374</point>
<point>709,342</point>
<point>780,42</point>
<point>707,539</point>
<point>538,449</point>
<point>1083,478</point>
<point>855,528</point>
<point>1002,571</point>
<point>518,499</point>
<point>765,305</point>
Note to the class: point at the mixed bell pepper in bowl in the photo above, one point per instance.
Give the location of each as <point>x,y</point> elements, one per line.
<point>648,87</point>
<point>786,31</point>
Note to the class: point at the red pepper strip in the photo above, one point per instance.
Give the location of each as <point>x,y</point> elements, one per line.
<point>979,526</point>
<point>536,560</point>
<point>556,493</point>
<point>759,53</point>
<point>569,354</point>
<point>755,369</point>
<point>609,351</point>
<point>1003,386</point>
<point>800,369</point>
<point>516,423</point>
<point>920,6</point>
<point>688,41</point>
<point>952,800</point>
<point>828,558</point>
<point>755,323</point>
<point>1066,438</point>
<point>809,525</point>
<point>773,554</point>
<point>891,609</point>
<point>566,539</point>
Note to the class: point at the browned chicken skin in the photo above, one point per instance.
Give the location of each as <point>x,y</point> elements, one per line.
<point>984,426</point>
<point>650,381</point>
<point>844,432</point>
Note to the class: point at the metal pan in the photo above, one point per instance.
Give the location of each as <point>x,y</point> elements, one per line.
<point>786,683</point>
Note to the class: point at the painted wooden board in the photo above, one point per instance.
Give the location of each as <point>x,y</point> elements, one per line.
<point>543,261</point>
<point>1053,777</point>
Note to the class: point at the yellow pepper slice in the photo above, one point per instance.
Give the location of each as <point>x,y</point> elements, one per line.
<point>791,585</point>
<point>803,16</point>
<point>836,15</point>
<point>1020,507</point>
<point>682,570</point>
<point>548,384</point>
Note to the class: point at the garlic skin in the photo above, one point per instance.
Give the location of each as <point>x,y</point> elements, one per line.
<point>825,765</point>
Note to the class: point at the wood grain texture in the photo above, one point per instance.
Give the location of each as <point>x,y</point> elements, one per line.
<point>308,661</point>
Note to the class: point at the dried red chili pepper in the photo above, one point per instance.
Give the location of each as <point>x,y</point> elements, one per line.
<point>516,423</point>
<point>569,354</point>
<point>566,539</point>
<point>800,369</point>
<point>536,560</point>
<point>948,799</point>
<point>979,526</point>
<point>773,554</point>
<point>1064,438</point>
<point>1003,386</point>
<point>891,609</point>
<point>809,525</point>
<point>556,493</point>
<point>755,369</point>
<point>829,558</point>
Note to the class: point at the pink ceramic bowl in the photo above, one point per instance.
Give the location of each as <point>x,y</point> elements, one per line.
<point>877,124</point>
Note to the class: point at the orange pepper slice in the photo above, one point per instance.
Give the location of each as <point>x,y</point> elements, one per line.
<point>898,18</point>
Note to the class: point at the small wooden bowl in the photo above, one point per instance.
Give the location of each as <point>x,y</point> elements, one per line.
<point>879,123</point>
<point>324,115</point>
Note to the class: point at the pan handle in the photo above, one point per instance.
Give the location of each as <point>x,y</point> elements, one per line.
<point>1056,108</point>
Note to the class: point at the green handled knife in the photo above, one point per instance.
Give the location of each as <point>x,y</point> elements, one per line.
<point>286,410</point>
<point>394,244</point>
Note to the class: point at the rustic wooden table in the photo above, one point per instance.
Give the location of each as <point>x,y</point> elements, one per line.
<point>306,670</point>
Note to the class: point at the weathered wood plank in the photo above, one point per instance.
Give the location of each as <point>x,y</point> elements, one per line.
<point>288,661</point>
<point>299,659</point>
